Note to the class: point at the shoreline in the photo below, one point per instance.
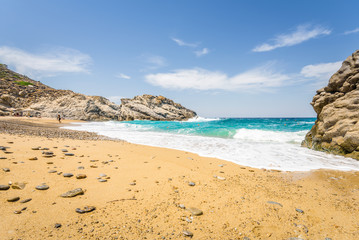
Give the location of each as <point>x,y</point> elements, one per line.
<point>147,187</point>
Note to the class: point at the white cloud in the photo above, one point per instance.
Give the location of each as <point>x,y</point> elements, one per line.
<point>123,76</point>
<point>258,79</point>
<point>321,71</point>
<point>60,60</point>
<point>301,34</point>
<point>183,43</point>
<point>202,52</point>
<point>352,31</point>
<point>115,99</point>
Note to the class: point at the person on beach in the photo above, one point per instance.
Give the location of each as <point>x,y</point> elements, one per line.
<point>59,118</point>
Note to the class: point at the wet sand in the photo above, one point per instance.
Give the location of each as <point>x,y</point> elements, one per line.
<point>149,192</point>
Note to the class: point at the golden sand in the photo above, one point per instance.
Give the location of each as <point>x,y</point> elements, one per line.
<point>147,195</point>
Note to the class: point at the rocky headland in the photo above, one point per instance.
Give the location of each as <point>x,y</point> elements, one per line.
<point>20,95</point>
<point>336,129</point>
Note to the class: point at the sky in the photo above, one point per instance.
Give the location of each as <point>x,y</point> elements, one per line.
<point>219,58</point>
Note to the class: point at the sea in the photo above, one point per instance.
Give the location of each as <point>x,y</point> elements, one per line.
<point>270,143</point>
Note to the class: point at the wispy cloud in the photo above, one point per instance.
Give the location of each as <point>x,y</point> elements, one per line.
<point>183,43</point>
<point>254,80</point>
<point>122,76</point>
<point>351,31</point>
<point>152,62</point>
<point>321,71</point>
<point>54,62</point>
<point>301,34</point>
<point>202,52</point>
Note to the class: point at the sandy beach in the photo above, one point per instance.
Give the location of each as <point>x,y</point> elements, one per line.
<point>142,192</point>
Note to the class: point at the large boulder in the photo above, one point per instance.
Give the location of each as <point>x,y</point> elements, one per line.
<point>336,129</point>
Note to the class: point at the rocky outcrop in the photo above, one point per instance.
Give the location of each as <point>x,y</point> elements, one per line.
<point>336,129</point>
<point>22,95</point>
<point>153,108</point>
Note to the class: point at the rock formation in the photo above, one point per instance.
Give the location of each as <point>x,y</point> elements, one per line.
<point>336,129</point>
<point>22,95</point>
<point>153,108</point>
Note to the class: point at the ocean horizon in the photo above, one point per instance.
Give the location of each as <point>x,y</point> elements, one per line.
<point>269,143</point>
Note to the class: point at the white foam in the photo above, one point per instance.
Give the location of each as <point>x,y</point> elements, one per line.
<point>254,148</point>
<point>202,119</point>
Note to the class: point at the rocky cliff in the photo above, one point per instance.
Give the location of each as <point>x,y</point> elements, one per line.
<point>336,129</point>
<point>22,95</point>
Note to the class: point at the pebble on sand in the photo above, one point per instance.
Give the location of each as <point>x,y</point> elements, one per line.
<point>18,185</point>
<point>67,174</point>
<point>26,200</point>
<point>13,199</point>
<point>275,203</point>
<point>187,233</point>
<point>191,184</point>
<point>6,169</point>
<point>81,176</point>
<point>69,154</point>
<point>73,193</point>
<point>57,225</point>
<point>33,158</point>
<point>4,187</point>
<point>86,209</point>
<point>195,211</point>
<point>42,187</point>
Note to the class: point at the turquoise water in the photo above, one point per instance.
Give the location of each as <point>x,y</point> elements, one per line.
<point>226,127</point>
<point>271,143</point>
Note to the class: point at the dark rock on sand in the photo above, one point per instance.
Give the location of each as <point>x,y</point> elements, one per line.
<point>64,150</point>
<point>191,184</point>
<point>299,210</point>
<point>69,154</point>
<point>6,169</point>
<point>73,193</point>
<point>33,158</point>
<point>86,209</point>
<point>67,174</point>
<point>13,199</point>
<point>102,180</point>
<point>35,148</point>
<point>52,171</point>
<point>4,187</point>
<point>57,225</point>
<point>42,187</point>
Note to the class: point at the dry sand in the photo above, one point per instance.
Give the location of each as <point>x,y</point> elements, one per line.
<point>147,195</point>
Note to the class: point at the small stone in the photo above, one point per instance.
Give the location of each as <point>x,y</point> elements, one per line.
<point>102,180</point>
<point>45,148</point>
<point>133,183</point>
<point>299,210</point>
<point>191,184</point>
<point>276,203</point>
<point>17,212</point>
<point>6,169</point>
<point>64,150</point>
<point>4,187</point>
<point>7,152</point>
<point>327,238</point>
<point>49,162</point>
<point>58,225</point>
<point>93,160</point>
<point>18,185</point>
<point>194,211</point>
<point>103,175</point>
<point>35,148</point>
<point>33,158</point>
<point>69,154</point>
<point>67,174</point>
<point>2,148</point>
<point>182,206</point>
<point>13,199</point>
<point>81,167</point>
<point>86,209</point>
<point>42,187</point>
<point>2,158</point>
<point>93,166</point>
<point>187,233</point>
<point>26,200</point>
<point>81,176</point>
<point>73,193</point>
<point>246,238</point>
<point>52,171</point>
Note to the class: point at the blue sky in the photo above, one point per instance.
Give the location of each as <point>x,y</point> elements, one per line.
<point>219,58</point>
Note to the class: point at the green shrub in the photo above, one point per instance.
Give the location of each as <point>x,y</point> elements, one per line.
<point>23,83</point>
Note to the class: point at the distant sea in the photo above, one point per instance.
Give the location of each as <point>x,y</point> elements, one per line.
<point>271,143</point>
